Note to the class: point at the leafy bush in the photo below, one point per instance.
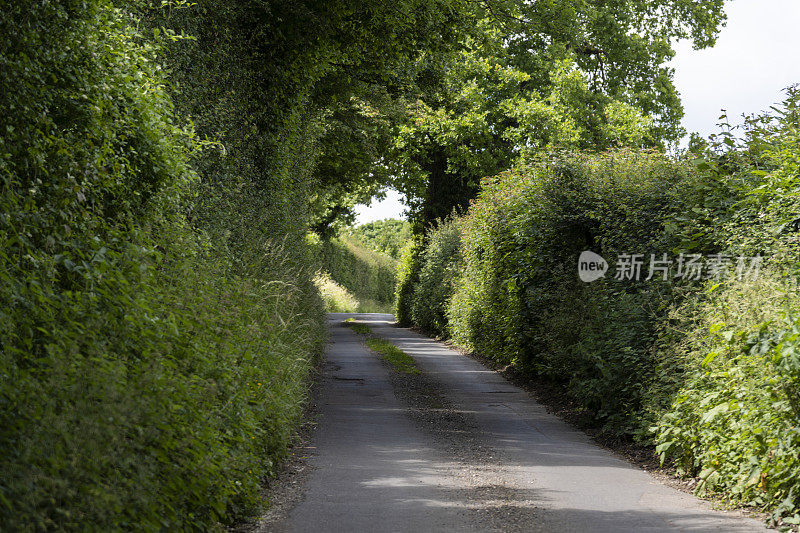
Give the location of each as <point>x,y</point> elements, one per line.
<point>483,312</point>
<point>407,276</point>
<point>151,375</point>
<point>520,300</point>
<point>733,420</point>
<point>440,264</point>
<point>732,416</point>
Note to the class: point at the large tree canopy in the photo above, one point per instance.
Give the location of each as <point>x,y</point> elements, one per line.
<point>531,75</point>
<point>431,96</point>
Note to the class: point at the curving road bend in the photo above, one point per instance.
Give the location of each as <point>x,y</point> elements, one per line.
<point>458,448</point>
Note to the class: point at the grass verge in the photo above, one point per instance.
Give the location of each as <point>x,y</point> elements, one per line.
<point>358,327</point>
<point>396,357</point>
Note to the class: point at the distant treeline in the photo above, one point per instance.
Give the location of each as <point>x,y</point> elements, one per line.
<point>386,236</point>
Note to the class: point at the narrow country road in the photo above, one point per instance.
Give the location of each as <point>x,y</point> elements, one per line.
<point>458,448</point>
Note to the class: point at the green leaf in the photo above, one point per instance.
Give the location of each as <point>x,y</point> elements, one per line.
<point>711,414</point>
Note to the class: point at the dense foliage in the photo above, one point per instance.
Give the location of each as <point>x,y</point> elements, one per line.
<point>387,236</point>
<point>733,421</point>
<point>519,297</point>
<point>356,279</point>
<point>703,365</point>
<point>406,279</point>
<point>163,162</point>
<point>536,75</point>
<point>159,170</point>
<point>337,299</point>
<point>440,263</point>
<point>148,381</point>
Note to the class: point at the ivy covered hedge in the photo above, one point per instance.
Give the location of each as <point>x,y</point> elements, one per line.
<point>705,369</point>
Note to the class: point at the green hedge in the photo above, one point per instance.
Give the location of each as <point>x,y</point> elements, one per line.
<point>151,372</point>
<point>733,420</point>
<point>440,264</point>
<point>366,274</point>
<point>407,277</point>
<point>519,299</point>
<point>705,369</point>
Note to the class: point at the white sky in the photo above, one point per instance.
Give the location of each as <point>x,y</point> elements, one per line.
<point>756,56</point>
<point>389,207</point>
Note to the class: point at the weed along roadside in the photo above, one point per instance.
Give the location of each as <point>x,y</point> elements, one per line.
<point>358,327</point>
<point>395,357</point>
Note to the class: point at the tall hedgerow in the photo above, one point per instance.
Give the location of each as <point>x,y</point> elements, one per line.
<point>150,374</point>
<point>707,369</point>
<point>483,309</point>
<point>406,278</point>
<point>440,264</point>
<point>366,274</point>
<point>520,300</point>
<point>731,420</point>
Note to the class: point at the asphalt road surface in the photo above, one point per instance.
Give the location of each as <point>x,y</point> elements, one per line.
<point>459,448</point>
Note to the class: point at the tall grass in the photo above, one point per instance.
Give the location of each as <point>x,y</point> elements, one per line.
<point>337,299</point>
